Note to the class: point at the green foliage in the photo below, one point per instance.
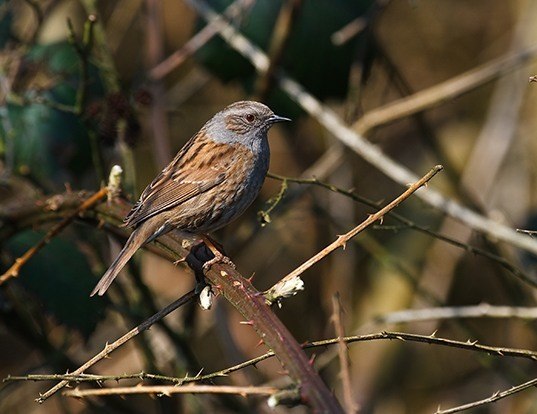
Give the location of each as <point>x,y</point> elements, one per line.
<point>59,276</point>
<point>6,19</point>
<point>47,141</point>
<point>50,146</point>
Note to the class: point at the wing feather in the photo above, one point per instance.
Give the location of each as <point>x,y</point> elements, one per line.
<point>197,168</point>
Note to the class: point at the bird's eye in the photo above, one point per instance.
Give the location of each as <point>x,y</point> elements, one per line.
<point>250,118</point>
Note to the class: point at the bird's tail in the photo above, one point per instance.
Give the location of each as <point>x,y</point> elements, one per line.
<point>136,240</point>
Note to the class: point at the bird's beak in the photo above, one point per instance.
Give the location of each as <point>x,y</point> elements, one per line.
<point>276,118</point>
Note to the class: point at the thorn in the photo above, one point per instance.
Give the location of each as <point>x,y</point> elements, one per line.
<point>261,342</point>
<point>344,243</point>
<point>312,359</point>
<point>250,322</point>
<point>251,278</point>
<point>433,335</point>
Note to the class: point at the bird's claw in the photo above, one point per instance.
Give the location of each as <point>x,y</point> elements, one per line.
<point>217,259</point>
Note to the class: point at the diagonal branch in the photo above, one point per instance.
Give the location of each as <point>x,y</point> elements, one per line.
<point>90,202</point>
<point>498,395</point>
<point>442,92</point>
<point>342,240</point>
<point>109,348</point>
<point>517,272</point>
<point>175,60</point>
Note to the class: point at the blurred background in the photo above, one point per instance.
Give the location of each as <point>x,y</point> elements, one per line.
<point>79,95</point>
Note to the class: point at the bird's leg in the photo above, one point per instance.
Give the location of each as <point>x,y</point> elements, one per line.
<point>219,255</point>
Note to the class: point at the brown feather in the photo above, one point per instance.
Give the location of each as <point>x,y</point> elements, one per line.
<point>190,174</point>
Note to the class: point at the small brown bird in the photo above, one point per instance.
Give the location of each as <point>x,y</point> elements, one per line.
<point>209,183</point>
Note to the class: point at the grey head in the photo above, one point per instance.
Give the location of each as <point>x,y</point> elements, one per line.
<point>244,122</point>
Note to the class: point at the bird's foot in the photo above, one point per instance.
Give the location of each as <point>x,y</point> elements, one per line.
<point>218,253</point>
<point>218,258</point>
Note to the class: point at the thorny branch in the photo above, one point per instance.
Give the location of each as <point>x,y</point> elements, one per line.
<point>109,348</point>
<point>517,272</point>
<point>114,183</point>
<point>341,241</point>
<point>469,345</point>
<point>498,395</point>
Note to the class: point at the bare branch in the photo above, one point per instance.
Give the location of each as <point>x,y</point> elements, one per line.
<point>161,390</point>
<point>341,241</point>
<point>442,92</point>
<point>109,348</point>
<point>175,60</point>
<point>498,395</point>
<point>517,272</point>
<point>90,202</point>
<point>483,310</point>
<point>350,404</point>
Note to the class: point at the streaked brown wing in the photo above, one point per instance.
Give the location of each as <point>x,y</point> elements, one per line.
<point>191,173</point>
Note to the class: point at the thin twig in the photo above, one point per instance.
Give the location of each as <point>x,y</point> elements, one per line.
<point>109,348</point>
<point>442,92</point>
<point>498,395</point>
<point>341,241</point>
<point>432,339</point>
<point>483,310</point>
<point>518,273</point>
<point>14,270</point>
<point>154,54</point>
<point>356,26</point>
<point>83,377</point>
<point>369,152</point>
<point>350,404</point>
<point>197,41</point>
<point>281,33</point>
<point>264,215</point>
<point>385,335</point>
<point>112,84</point>
<point>167,390</point>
